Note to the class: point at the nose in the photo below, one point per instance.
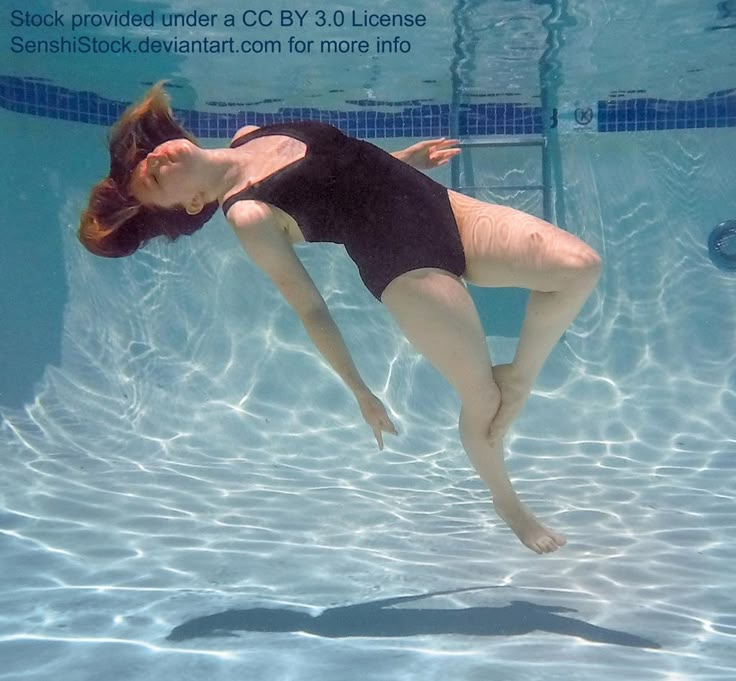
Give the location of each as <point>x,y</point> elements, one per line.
<point>156,158</point>
<point>154,162</point>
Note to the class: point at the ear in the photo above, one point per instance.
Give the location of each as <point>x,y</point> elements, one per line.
<point>194,207</point>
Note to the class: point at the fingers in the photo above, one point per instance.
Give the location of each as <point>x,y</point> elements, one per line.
<point>377,418</point>
<point>448,147</point>
<point>442,157</point>
<point>441,142</point>
<point>385,425</point>
<point>388,425</point>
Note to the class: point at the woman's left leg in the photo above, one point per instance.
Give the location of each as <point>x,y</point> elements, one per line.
<point>506,247</point>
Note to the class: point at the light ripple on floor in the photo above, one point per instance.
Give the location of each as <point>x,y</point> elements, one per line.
<point>182,465</point>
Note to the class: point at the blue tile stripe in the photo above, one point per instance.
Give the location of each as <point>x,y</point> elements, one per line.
<point>39,97</point>
<point>717,110</point>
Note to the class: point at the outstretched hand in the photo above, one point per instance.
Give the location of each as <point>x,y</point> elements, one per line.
<point>430,153</point>
<point>375,416</point>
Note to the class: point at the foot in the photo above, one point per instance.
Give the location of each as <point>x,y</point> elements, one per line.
<point>527,528</point>
<point>515,390</point>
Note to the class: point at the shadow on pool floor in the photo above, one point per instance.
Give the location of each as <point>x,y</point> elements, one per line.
<point>379,619</point>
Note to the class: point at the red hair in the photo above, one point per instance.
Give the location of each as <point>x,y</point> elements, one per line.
<point>115,224</point>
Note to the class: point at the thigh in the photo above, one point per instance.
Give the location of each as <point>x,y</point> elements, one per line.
<point>438,317</point>
<point>507,247</point>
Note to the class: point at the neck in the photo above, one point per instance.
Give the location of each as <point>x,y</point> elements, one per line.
<point>222,171</point>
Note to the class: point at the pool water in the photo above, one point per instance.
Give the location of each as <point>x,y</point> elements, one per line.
<point>188,488</point>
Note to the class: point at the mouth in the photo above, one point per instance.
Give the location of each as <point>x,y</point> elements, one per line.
<point>146,175</point>
<point>153,166</point>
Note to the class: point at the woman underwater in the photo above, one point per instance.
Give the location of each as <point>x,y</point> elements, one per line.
<point>414,242</point>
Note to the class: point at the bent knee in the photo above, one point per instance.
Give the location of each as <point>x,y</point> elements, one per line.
<point>592,263</point>
<point>583,267</point>
<point>478,412</point>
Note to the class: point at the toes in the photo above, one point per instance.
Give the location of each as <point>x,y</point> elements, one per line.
<point>540,546</point>
<point>559,539</point>
<point>547,545</point>
<point>533,544</point>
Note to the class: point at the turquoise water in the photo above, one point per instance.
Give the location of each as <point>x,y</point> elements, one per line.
<point>185,467</point>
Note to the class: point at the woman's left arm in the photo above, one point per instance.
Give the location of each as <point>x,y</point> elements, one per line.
<point>428,154</point>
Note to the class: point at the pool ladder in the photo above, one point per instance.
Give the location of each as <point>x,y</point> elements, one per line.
<point>501,311</point>
<point>506,141</point>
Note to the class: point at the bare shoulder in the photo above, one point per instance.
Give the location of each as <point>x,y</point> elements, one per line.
<point>268,247</point>
<point>251,216</point>
<point>243,131</point>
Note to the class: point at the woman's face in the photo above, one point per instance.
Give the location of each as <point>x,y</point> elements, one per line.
<point>166,177</point>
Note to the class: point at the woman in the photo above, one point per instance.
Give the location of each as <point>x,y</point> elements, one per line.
<point>413,240</point>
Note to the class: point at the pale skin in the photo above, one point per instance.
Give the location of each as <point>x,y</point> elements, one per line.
<point>503,247</point>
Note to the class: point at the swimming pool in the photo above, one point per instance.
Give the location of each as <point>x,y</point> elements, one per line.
<point>188,489</point>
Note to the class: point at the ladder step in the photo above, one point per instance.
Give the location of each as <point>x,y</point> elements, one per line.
<point>504,187</point>
<point>503,141</point>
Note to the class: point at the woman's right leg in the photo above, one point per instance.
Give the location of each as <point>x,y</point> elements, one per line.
<point>438,317</point>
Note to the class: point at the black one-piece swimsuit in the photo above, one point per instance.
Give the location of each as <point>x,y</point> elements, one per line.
<point>390,217</point>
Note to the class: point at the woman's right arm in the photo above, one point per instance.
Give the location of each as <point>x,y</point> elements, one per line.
<point>268,246</point>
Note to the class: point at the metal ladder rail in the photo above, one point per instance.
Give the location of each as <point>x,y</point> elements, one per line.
<point>507,141</point>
